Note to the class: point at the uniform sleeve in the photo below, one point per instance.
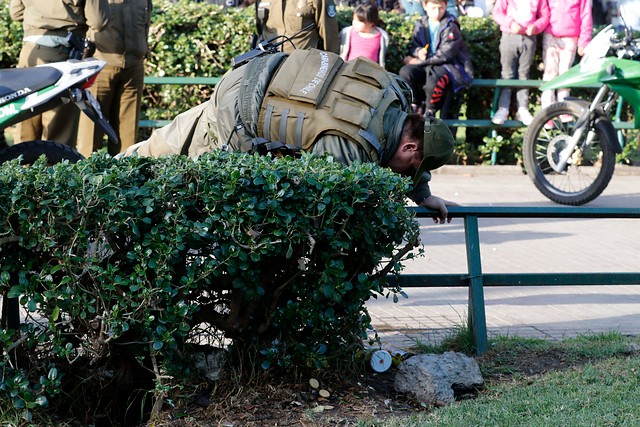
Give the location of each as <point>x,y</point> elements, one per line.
<point>16,10</point>
<point>174,138</point>
<point>342,150</point>
<point>327,21</point>
<point>96,13</point>
<point>421,190</point>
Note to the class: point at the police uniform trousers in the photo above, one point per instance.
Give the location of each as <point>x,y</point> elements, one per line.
<point>119,92</point>
<point>59,124</point>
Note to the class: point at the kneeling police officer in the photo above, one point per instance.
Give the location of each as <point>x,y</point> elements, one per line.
<point>313,101</point>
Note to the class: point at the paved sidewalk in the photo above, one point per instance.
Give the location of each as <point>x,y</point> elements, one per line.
<point>517,246</point>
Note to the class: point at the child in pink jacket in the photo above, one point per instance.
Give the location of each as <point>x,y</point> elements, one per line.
<point>520,21</point>
<point>569,30</point>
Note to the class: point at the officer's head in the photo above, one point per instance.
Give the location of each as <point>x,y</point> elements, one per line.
<point>425,145</point>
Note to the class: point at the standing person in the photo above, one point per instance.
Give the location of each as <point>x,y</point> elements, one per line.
<point>520,21</point>
<point>46,24</point>
<point>313,101</point>
<point>568,32</point>
<point>118,88</point>
<point>438,60</point>
<point>364,37</point>
<point>303,24</point>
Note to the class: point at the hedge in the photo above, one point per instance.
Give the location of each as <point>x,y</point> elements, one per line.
<point>126,267</point>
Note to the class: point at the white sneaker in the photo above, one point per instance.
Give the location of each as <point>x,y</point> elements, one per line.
<point>500,116</point>
<point>524,116</point>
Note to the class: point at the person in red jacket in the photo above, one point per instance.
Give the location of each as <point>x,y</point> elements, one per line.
<point>568,32</point>
<point>520,22</point>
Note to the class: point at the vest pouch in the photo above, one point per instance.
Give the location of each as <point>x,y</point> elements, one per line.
<point>367,71</point>
<point>351,112</point>
<point>306,75</point>
<point>361,91</point>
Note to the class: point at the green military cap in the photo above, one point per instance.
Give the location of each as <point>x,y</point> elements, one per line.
<point>438,145</point>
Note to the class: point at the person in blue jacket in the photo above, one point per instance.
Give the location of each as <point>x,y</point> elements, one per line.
<point>438,60</point>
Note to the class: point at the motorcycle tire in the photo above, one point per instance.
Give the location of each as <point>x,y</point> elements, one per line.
<point>589,171</point>
<point>32,150</point>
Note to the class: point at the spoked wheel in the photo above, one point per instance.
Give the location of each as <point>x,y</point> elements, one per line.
<point>32,150</point>
<point>590,166</point>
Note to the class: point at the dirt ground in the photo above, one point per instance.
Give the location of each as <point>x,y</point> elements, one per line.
<point>366,396</point>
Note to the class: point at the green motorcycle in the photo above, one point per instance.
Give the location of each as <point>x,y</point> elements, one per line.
<point>570,147</point>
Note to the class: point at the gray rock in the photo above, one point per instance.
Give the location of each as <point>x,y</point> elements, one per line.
<point>432,378</point>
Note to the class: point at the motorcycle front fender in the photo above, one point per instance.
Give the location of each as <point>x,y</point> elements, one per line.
<point>607,134</point>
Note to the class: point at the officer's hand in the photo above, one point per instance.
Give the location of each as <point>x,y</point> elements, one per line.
<point>438,204</point>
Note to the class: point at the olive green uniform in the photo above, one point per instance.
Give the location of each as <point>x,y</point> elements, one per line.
<point>123,46</point>
<point>46,24</point>
<point>306,23</point>
<point>214,124</point>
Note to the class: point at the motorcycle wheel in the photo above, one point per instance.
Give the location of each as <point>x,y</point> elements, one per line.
<point>589,170</point>
<point>32,150</point>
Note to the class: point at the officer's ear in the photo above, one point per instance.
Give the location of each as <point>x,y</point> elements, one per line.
<point>410,146</point>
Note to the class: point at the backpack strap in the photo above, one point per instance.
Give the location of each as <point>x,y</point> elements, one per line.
<point>253,86</point>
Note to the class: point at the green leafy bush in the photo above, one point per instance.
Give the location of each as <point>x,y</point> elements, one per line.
<point>124,266</point>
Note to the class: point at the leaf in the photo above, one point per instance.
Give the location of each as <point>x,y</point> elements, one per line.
<point>42,401</point>
<point>53,374</point>
<point>14,292</point>
<point>289,252</point>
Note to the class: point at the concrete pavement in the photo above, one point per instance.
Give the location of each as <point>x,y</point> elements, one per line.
<point>521,245</point>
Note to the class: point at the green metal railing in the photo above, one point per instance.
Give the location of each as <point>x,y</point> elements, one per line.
<point>476,280</point>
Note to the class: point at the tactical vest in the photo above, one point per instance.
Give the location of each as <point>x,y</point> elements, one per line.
<point>314,93</point>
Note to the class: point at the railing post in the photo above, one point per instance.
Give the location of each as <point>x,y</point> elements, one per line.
<point>477,319</point>
<point>494,133</point>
